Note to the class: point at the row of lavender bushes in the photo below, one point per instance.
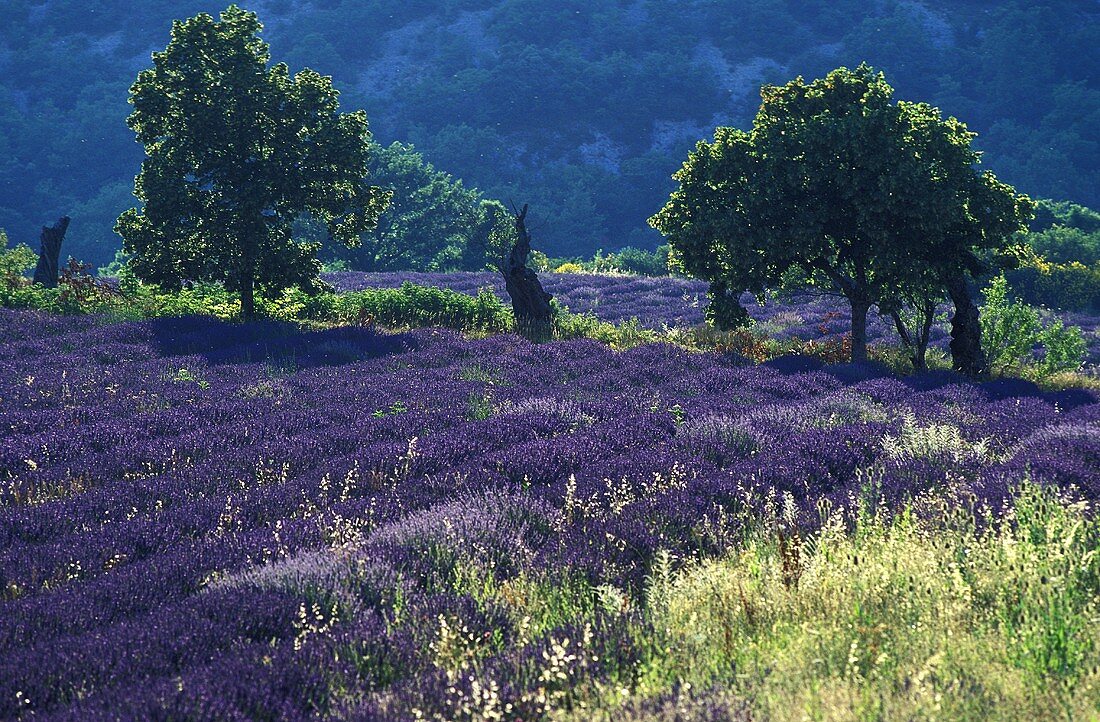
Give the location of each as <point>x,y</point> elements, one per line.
<point>677,303</point>
<point>202,520</point>
<point>622,311</point>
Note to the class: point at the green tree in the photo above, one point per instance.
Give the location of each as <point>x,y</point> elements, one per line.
<point>840,186</point>
<point>236,150</point>
<point>1059,244</point>
<point>489,233</point>
<point>426,223</point>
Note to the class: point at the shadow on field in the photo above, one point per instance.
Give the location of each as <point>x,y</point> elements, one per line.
<point>277,342</point>
<point>996,389</point>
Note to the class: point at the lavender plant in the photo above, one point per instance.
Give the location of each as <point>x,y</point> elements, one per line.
<point>204,520</point>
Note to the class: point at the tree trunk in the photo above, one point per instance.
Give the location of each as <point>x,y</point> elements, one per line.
<point>530,303</point>
<point>49,254</point>
<point>967,356</point>
<point>859,330</point>
<point>725,311</point>
<point>907,339</point>
<point>920,358</point>
<point>918,343</point>
<point>248,295</point>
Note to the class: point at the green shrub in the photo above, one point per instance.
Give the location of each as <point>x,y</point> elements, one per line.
<point>627,334</point>
<point>411,306</point>
<point>1070,286</point>
<point>196,299</point>
<point>642,262</point>
<point>21,293</point>
<point>77,291</point>
<point>17,260</point>
<point>290,305</point>
<point>1012,330</point>
<point>1064,349</point>
<point>16,290</point>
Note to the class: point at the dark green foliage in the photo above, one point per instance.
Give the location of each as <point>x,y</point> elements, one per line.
<point>1064,270</point>
<point>642,262</point>
<point>1050,213</point>
<point>725,311</point>
<point>1069,286</point>
<point>582,109</point>
<point>1061,244</point>
<point>431,220</point>
<point>236,151</point>
<point>1064,232</point>
<point>490,235</point>
<point>856,193</point>
<point>635,261</point>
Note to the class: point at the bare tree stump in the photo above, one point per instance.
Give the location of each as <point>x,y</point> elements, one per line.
<point>49,255</point>
<point>967,356</point>
<point>530,302</point>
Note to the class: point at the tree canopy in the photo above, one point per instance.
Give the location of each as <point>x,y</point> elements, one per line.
<point>431,219</point>
<point>236,151</point>
<point>842,186</point>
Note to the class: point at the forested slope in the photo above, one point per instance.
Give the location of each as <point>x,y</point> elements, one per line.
<point>582,108</point>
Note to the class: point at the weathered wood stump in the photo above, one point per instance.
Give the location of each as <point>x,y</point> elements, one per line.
<point>49,255</point>
<point>530,302</point>
<point>967,356</point>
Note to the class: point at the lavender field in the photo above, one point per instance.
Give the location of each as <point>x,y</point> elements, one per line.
<point>201,520</point>
<point>679,302</point>
<point>653,301</point>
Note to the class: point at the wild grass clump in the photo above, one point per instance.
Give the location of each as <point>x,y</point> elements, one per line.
<point>898,619</point>
<point>932,442</point>
<point>619,336</point>
<point>915,616</point>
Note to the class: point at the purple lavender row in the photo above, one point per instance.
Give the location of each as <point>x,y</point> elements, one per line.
<point>678,303</point>
<point>156,554</point>
<point>655,302</point>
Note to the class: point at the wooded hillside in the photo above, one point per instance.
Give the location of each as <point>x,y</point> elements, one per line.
<point>581,108</point>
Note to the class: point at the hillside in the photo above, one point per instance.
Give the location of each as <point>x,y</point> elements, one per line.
<point>582,109</point>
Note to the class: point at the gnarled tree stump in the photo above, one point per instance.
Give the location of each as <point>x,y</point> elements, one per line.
<point>967,356</point>
<point>530,302</point>
<point>49,254</point>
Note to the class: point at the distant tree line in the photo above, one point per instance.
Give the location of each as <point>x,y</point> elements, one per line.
<point>603,118</point>
<point>252,175</point>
